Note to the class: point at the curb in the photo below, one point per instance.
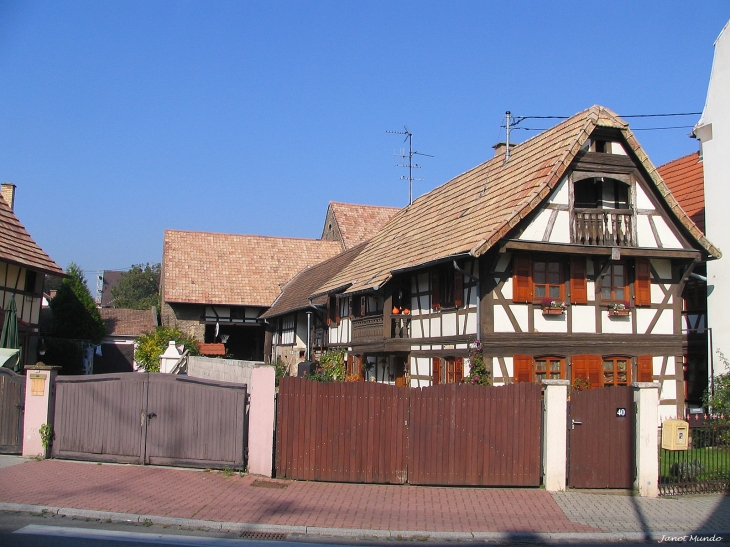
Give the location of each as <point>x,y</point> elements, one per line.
<point>544,537</point>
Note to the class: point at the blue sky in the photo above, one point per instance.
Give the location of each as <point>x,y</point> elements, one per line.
<point>121,119</point>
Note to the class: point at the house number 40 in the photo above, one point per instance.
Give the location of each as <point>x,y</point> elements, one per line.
<point>620,412</point>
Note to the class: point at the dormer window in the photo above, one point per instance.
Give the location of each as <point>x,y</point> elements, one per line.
<point>601,193</point>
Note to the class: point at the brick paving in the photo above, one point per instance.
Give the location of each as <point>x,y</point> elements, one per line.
<point>212,496</point>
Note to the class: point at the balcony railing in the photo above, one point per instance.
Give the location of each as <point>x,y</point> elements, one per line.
<point>612,227</point>
<point>368,328</point>
<point>400,326</point>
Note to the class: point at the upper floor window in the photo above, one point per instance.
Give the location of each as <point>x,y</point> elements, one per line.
<point>614,286</point>
<point>447,288</point>
<point>601,193</point>
<point>286,334</point>
<point>547,279</point>
<point>30,281</point>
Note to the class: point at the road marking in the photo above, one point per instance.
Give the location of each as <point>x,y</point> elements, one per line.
<point>142,537</point>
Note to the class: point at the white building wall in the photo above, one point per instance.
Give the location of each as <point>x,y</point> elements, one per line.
<point>713,130</point>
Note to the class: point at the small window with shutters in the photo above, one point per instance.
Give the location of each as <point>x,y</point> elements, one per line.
<point>616,371</point>
<point>547,280</point>
<point>447,288</point>
<point>537,369</point>
<point>614,286</point>
<point>449,370</point>
<point>602,371</point>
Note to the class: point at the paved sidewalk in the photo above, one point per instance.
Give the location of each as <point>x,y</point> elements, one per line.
<point>339,509</point>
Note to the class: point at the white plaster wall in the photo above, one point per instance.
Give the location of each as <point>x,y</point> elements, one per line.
<point>642,200</point>
<point>584,319</point>
<point>644,233</point>
<point>549,323</point>
<point>416,331</point>
<point>509,365</point>
<point>561,228</point>
<point>448,321</point>
<point>713,130</point>
<point>616,324</point>
<point>668,388</point>
<point>560,197</point>
<point>507,289</point>
<point>663,267</point>
<point>468,323</point>
<point>657,295</point>
<point>435,326</point>
<point>664,325</point>
<point>536,229</point>
<point>503,262</point>
<point>669,240</point>
<point>615,148</point>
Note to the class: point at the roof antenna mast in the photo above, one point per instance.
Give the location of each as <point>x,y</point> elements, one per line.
<point>508,125</point>
<point>410,165</point>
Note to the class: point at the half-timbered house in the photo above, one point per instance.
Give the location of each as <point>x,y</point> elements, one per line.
<point>566,258</point>
<point>23,265</point>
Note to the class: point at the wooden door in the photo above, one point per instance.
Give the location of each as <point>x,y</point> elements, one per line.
<point>601,428</point>
<point>12,401</point>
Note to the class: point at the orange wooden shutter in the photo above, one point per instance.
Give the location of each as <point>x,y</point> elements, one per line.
<point>645,368</point>
<point>588,367</point>
<point>521,286</point>
<point>360,372</point>
<point>436,374</point>
<point>458,369</point>
<point>435,290</point>
<point>338,303</point>
<point>578,280</point>
<point>642,286</point>
<point>522,368</point>
<point>458,289</point>
<point>331,305</point>
<point>363,304</point>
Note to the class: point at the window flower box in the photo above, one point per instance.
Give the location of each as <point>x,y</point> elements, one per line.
<point>552,307</point>
<point>619,310</point>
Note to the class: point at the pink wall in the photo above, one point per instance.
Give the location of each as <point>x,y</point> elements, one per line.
<point>261,418</point>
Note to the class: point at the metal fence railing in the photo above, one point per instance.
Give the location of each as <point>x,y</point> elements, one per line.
<point>704,466</point>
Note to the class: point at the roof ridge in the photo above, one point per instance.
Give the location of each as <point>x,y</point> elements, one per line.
<point>364,205</point>
<point>251,235</point>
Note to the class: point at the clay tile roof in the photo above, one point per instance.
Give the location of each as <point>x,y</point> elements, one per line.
<point>238,270</point>
<point>295,295</point>
<point>360,223</point>
<point>685,177</point>
<point>123,322</point>
<point>472,212</point>
<point>18,247</point>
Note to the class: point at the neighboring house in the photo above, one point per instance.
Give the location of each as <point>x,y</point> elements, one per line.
<point>23,265</point>
<point>568,260</point>
<point>117,347</point>
<point>298,322</point>
<point>351,224</point>
<point>216,286</point>
<point>109,279</point>
<point>685,178</point>
<point>713,131</point>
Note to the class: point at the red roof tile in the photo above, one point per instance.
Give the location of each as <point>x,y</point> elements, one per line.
<point>17,246</point>
<point>212,349</point>
<point>358,223</point>
<point>238,270</point>
<point>123,322</point>
<point>686,179</point>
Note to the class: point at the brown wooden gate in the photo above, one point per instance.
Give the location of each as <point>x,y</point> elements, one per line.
<point>376,433</point>
<point>12,403</point>
<point>601,453</point>
<point>150,418</point>
<point>475,435</point>
<point>345,432</point>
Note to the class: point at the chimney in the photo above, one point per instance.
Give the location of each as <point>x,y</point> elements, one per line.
<point>501,147</point>
<point>8,194</point>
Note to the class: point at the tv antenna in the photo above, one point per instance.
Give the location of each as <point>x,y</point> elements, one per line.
<point>411,166</point>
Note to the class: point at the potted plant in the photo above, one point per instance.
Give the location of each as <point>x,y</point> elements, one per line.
<point>552,307</point>
<point>619,309</point>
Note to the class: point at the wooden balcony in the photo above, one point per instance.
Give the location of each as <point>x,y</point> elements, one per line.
<point>367,329</point>
<point>400,326</point>
<point>607,227</point>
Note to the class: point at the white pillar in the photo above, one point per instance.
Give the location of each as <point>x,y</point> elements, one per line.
<point>646,398</point>
<point>555,434</point>
<point>39,406</point>
<point>169,359</point>
<point>261,417</point>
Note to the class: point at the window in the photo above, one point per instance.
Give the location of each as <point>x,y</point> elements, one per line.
<point>600,193</point>
<point>547,280</point>
<point>537,369</point>
<point>451,371</point>
<point>447,288</point>
<point>30,281</point>
<point>286,336</point>
<point>616,371</point>
<point>549,368</point>
<point>613,285</point>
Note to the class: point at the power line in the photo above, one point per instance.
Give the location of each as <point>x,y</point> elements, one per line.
<point>620,116</point>
<point>632,129</point>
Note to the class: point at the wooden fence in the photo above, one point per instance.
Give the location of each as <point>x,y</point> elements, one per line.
<point>376,433</point>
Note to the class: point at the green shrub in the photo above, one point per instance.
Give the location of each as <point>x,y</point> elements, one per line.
<point>331,367</point>
<point>152,344</point>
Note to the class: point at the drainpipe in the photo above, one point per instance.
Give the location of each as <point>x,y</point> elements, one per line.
<point>309,335</point>
<point>479,300</point>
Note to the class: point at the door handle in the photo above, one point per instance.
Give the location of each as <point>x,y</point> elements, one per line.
<point>151,415</point>
<point>575,424</point>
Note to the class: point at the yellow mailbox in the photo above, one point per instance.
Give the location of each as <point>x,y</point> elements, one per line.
<point>675,435</point>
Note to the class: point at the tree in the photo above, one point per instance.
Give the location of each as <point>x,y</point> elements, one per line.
<point>151,345</point>
<point>75,315</point>
<point>138,288</point>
